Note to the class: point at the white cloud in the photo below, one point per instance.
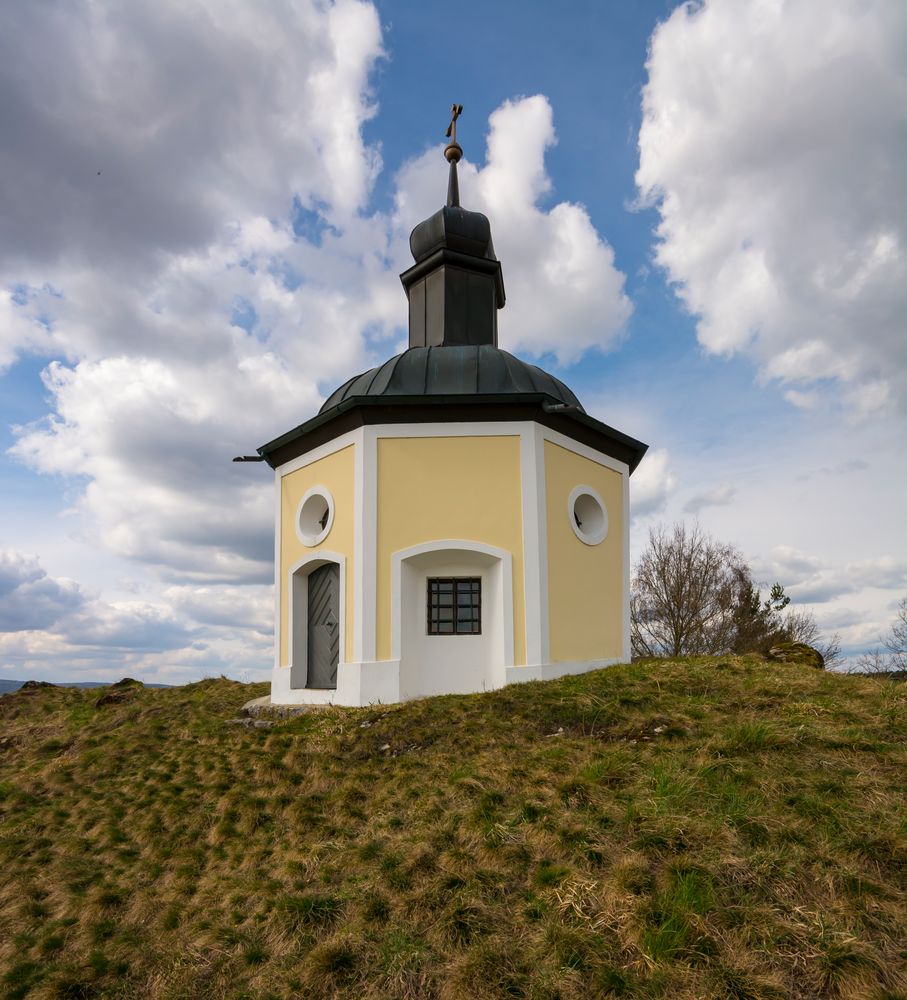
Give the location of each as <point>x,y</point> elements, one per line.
<point>811,580</point>
<point>230,606</point>
<point>29,598</point>
<point>720,496</point>
<point>47,621</point>
<point>210,121</point>
<point>840,618</point>
<point>126,625</point>
<point>142,127</point>
<point>156,442</point>
<point>792,565</point>
<point>59,611</point>
<point>772,146</point>
<point>651,484</point>
<point>848,467</point>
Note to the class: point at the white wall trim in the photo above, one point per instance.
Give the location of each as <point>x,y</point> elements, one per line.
<point>322,451</point>
<point>555,437</point>
<point>550,671</point>
<point>480,428</point>
<point>542,541</point>
<point>358,685</point>
<point>358,545</point>
<point>313,561</point>
<point>452,545</point>
<point>278,504</point>
<point>534,517</point>
<point>367,560</point>
<point>627,653</point>
<point>535,577</point>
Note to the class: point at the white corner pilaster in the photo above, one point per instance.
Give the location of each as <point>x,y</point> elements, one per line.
<point>535,587</point>
<point>625,513</point>
<point>542,540</point>
<point>278,505</point>
<point>368,533</point>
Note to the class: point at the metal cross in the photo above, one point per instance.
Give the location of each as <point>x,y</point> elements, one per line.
<point>455,111</point>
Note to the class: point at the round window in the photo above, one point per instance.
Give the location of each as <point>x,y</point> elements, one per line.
<point>587,514</point>
<point>315,516</point>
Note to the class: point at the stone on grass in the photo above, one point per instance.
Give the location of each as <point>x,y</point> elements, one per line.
<point>796,652</point>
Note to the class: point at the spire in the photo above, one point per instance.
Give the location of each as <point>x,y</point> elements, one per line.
<point>453,152</point>
<point>455,287</point>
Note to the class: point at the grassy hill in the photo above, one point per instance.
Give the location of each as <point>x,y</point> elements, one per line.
<point>689,829</point>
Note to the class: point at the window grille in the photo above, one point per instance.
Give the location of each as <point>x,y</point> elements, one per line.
<point>455,606</point>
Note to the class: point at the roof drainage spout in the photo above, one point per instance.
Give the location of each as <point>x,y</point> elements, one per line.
<point>550,407</point>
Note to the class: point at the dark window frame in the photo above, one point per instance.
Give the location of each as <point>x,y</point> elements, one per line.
<point>469,587</point>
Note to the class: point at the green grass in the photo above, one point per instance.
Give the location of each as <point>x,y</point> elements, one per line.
<point>677,829</point>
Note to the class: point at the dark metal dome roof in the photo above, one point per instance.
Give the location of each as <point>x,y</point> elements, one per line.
<point>465,370</point>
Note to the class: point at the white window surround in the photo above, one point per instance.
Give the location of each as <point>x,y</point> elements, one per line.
<point>585,505</point>
<point>451,546</point>
<point>310,513</point>
<point>427,665</point>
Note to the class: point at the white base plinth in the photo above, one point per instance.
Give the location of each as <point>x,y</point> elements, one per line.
<point>378,682</point>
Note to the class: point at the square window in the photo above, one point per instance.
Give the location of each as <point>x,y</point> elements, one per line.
<point>454,606</point>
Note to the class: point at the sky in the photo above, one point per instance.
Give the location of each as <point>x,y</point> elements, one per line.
<point>205,207</point>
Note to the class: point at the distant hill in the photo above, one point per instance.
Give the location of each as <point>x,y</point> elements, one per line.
<point>10,685</point>
<point>707,828</point>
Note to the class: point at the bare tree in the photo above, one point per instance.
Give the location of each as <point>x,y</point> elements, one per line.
<point>874,662</point>
<point>892,655</point>
<point>683,593</point>
<point>801,626</point>
<point>692,594</point>
<point>831,650</point>
<point>896,640</point>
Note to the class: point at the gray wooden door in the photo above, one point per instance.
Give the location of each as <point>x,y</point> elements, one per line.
<point>324,627</point>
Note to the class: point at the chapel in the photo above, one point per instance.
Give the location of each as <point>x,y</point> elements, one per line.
<point>451,520</point>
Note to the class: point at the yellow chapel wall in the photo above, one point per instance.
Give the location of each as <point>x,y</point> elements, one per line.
<point>585,582</point>
<point>431,488</point>
<point>336,472</point>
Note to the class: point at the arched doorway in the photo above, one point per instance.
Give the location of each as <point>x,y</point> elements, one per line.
<point>323,626</point>
<point>316,622</point>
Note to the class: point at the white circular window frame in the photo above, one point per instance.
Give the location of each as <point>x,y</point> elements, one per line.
<point>587,537</point>
<point>313,538</point>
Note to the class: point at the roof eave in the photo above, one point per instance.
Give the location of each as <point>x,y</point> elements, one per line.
<point>474,407</point>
